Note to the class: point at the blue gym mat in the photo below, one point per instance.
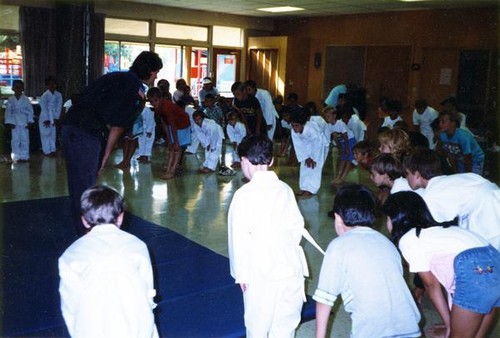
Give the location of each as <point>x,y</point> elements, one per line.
<point>196,295</point>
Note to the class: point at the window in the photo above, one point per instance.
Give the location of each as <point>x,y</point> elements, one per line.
<point>11,56</point>
<point>181,32</point>
<point>171,57</point>
<point>226,73</point>
<point>227,36</point>
<point>119,55</point>
<point>126,27</point>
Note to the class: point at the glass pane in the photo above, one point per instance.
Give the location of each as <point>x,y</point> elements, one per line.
<point>129,51</point>
<point>226,73</point>
<point>227,36</point>
<point>181,32</point>
<point>111,56</point>
<point>172,59</point>
<point>126,27</point>
<point>199,62</point>
<point>118,56</point>
<point>9,18</point>
<point>11,62</point>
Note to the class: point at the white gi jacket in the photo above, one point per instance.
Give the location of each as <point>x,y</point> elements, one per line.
<point>106,285</point>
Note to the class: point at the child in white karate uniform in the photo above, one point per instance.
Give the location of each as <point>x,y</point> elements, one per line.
<point>265,228</point>
<point>106,283</point>
<point>146,139</point>
<point>211,137</point>
<point>19,117</point>
<point>236,131</point>
<point>309,143</point>
<point>51,105</point>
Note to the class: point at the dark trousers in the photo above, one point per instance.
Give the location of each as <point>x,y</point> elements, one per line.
<point>82,153</point>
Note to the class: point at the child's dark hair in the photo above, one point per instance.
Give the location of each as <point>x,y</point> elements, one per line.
<point>258,149</point>
<point>421,104</point>
<point>364,147</point>
<point>198,113</point>
<point>145,63</point>
<point>293,97</point>
<point>209,96</point>
<point>238,85</point>
<point>425,161</point>
<point>407,210</point>
<point>299,116</point>
<point>355,204</point>
<point>251,84</point>
<point>154,92</point>
<point>387,164</point>
<point>435,124</point>
<point>394,106</point>
<point>17,82</point>
<point>50,79</point>
<point>232,114</point>
<point>101,205</point>
<point>311,108</point>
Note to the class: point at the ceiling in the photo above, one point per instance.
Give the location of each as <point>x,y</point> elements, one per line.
<point>315,7</point>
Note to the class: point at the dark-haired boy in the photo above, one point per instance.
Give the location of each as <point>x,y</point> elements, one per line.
<point>460,145</point>
<point>365,268</point>
<point>106,283</point>
<point>265,255</point>
<point>474,199</point>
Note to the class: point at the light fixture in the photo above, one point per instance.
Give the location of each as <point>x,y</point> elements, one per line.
<point>281,9</point>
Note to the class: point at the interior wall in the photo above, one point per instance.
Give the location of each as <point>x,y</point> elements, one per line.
<point>472,28</point>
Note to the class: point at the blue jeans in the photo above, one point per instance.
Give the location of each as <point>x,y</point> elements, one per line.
<point>477,279</point>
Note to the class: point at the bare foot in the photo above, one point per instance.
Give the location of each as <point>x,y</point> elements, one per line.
<point>122,166</point>
<point>167,176</point>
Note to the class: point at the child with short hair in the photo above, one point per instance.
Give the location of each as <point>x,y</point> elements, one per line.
<point>459,260</point>
<point>365,268</point>
<point>474,199</point>
<point>51,106</point>
<point>236,131</point>
<point>19,117</point>
<point>460,145</point>
<point>363,154</point>
<point>344,139</point>
<point>265,255</point>
<point>211,137</point>
<point>106,283</point>
<point>309,143</point>
<point>176,126</point>
<point>394,109</point>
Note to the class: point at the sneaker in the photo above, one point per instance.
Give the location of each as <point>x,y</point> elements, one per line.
<point>225,171</point>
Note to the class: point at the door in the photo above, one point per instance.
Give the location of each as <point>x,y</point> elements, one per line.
<point>226,65</point>
<point>263,69</point>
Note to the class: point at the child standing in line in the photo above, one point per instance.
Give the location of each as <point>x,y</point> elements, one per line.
<point>365,268</point>
<point>309,143</point>
<point>211,137</point>
<point>51,106</point>
<point>344,139</point>
<point>146,139</point>
<point>214,112</point>
<point>459,260</point>
<point>265,255</point>
<point>106,283</point>
<point>19,117</point>
<point>236,131</point>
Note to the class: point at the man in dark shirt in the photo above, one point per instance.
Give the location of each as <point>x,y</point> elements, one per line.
<point>109,107</point>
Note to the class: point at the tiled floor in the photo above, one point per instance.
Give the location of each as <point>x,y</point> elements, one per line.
<point>195,205</point>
